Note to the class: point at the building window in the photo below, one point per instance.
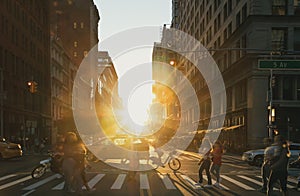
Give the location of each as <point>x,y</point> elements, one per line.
<point>297,7</point>
<point>238,19</point>
<point>85,53</point>
<point>225,13</point>
<point>75,44</point>
<point>75,25</point>
<point>298,88</point>
<point>279,7</point>
<point>279,39</point>
<point>82,25</point>
<point>244,12</point>
<point>287,91</point>
<point>297,39</point>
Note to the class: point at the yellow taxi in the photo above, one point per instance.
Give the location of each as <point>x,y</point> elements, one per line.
<point>9,150</point>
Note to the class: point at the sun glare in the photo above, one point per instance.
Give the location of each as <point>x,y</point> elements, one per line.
<point>139,103</point>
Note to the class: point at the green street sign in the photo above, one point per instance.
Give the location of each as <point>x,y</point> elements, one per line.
<point>279,64</point>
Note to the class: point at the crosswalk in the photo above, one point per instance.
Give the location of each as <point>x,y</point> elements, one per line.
<point>249,183</point>
<point>118,181</point>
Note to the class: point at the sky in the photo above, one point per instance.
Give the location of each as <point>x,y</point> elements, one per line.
<point>118,16</point>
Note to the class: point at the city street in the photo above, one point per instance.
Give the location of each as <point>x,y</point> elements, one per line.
<point>238,178</point>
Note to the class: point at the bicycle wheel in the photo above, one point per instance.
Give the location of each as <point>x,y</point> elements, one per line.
<point>174,164</point>
<point>38,171</point>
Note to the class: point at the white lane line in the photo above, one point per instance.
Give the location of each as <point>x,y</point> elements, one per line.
<point>40,183</point>
<point>166,180</point>
<point>15,182</point>
<point>276,189</point>
<point>191,182</point>
<point>251,180</point>
<point>244,186</point>
<point>188,158</point>
<point>60,186</point>
<point>119,181</point>
<point>144,183</point>
<point>28,193</point>
<point>94,180</point>
<point>8,176</point>
<point>213,182</point>
<point>295,181</point>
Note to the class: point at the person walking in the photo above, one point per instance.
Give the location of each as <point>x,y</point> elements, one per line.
<point>74,163</point>
<point>205,162</point>
<point>265,168</point>
<point>278,165</point>
<point>217,153</point>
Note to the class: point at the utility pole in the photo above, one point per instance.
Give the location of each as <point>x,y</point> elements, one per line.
<point>270,105</point>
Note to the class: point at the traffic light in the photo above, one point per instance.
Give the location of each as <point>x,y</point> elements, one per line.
<point>32,86</point>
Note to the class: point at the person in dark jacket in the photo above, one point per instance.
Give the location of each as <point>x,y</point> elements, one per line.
<point>278,165</point>
<point>204,150</point>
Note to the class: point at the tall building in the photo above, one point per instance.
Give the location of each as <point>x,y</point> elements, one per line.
<point>63,72</point>
<point>24,70</point>
<point>107,100</point>
<point>75,23</point>
<point>239,34</point>
<point>74,32</point>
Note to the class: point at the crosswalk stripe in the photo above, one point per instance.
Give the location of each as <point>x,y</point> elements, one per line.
<point>190,181</point>
<point>292,180</point>
<point>144,183</point>
<point>213,181</point>
<point>244,186</point>
<point>8,176</point>
<point>40,183</point>
<point>166,180</point>
<point>60,186</point>
<point>251,180</point>
<point>119,181</point>
<point>95,180</point>
<point>15,182</point>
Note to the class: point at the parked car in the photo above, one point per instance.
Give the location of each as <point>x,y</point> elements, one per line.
<point>9,150</point>
<point>256,157</point>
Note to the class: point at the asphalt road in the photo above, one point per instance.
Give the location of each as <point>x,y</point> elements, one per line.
<point>238,178</point>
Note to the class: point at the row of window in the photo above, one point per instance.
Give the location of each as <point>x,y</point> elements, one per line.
<point>75,54</point>
<point>286,88</point>
<point>75,25</point>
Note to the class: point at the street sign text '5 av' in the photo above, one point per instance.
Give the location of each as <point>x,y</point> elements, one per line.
<point>279,64</point>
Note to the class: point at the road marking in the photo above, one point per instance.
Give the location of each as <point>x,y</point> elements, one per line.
<point>8,176</point>
<point>94,180</point>
<point>60,186</point>
<point>191,182</point>
<point>213,182</point>
<point>251,180</point>
<point>119,181</point>
<point>40,183</point>
<point>292,180</point>
<point>15,182</point>
<point>167,181</point>
<point>28,193</point>
<point>144,183</point>
<point>244,186</point>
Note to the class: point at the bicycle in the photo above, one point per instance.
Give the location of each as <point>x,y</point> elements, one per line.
<point>173,162</point>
